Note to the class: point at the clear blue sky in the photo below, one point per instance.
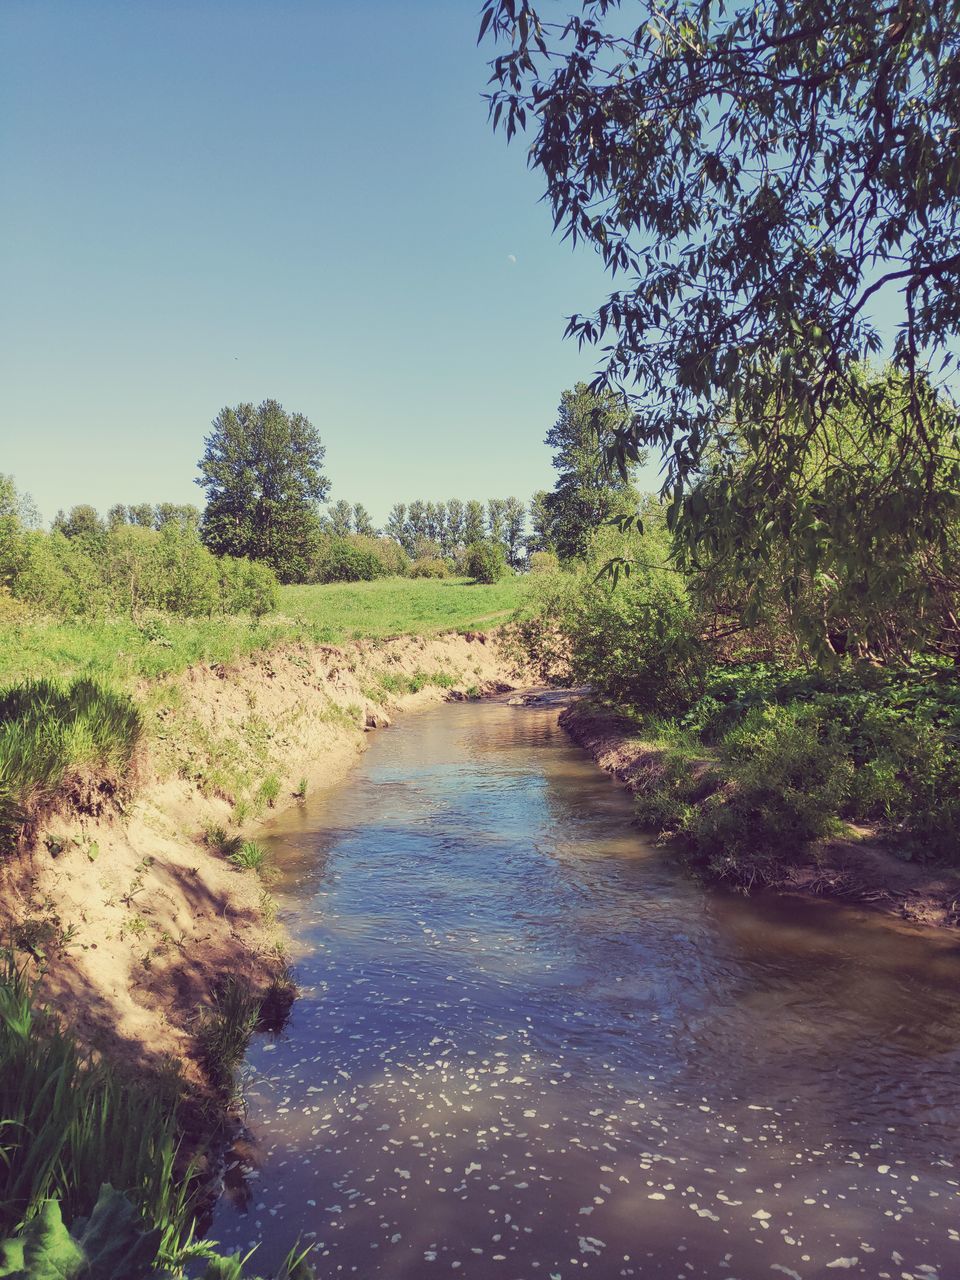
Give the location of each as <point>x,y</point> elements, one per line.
<point>211,201</point>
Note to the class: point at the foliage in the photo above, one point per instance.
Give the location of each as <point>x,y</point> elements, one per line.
<point>429,567</point>
<point>113,1243</point>
<point>70,1122</point>
<point>485,562</point>
<point>543,562</point>
<point>261,471</point>
<point>786,776</point>
<point>250,856</point>
<point>773,181</point>
<point>128,570</point>
<point>224,1029</point>
<point>357,558</point>
<point>587,492</point>
<point>55,737</point>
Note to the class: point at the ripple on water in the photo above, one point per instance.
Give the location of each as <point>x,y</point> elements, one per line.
<point>527,1047</point>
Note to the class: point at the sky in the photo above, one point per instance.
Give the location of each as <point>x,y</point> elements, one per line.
<point>218,201</point>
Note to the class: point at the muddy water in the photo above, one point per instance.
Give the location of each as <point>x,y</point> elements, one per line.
<point>527,1047</point>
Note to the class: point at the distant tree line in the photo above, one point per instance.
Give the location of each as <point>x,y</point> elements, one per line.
<point>263,522</point>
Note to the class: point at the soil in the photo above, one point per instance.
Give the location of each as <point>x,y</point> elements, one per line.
<point>129,917</point>
<point>859,869</point>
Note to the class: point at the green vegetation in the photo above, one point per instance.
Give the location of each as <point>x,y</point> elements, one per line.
<point>83,1144</point>
<point>70,1122</point>
<point>484,562</point>
<point>261,472</point>
<point>251,856</point>
<point>767,739</point>
<point>762,245</point>
<point>80,737</point>
<point>397,606</point>
<point>224,1030</point>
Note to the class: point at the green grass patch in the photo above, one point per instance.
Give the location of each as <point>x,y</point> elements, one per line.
<point>69,1123</point>
<point>120,652</point>
<point>53,735</point>
<point>400,606</point>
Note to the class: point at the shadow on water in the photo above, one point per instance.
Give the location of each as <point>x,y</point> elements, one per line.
<point>528,1046</point>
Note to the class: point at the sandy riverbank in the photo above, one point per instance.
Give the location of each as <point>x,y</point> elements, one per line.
<point>129,916</point>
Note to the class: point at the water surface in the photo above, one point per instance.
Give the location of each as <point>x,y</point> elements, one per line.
<point>527,1046</point>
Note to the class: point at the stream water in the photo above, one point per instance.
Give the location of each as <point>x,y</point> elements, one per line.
<point>529,1047</point>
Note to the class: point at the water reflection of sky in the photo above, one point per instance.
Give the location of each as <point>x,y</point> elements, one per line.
<point>527,1046</point>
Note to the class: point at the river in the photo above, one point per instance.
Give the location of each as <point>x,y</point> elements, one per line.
<point>527,1046</point>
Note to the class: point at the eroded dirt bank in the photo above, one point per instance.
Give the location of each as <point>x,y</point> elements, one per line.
<point>855,870</point>
<point>131,916</point>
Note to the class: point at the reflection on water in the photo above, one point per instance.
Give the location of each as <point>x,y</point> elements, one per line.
<point>528,1047</point>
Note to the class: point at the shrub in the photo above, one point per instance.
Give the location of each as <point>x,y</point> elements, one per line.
<point>342,560</point>
<point>787,775</point>
<point>247,586</point>
<point>485,562</point>
<point>543,562</point>
<point>429,567</point>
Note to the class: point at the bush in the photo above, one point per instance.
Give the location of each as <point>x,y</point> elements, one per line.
<point>247,586</point>
<point>787,775</point>
<point>485,562</point>
<point>348,560</point>
<point>429,567</point>
<point>543,562</point>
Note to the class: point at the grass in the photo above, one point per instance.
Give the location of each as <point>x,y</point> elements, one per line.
<point>122,653</point>
<point>69,1123</point>
<point>51,734</point>
<point>224,1031</point>
<point>400,606</point>
<point>249,857</point>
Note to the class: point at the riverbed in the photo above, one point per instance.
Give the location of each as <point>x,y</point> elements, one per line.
<point>528,1045</point>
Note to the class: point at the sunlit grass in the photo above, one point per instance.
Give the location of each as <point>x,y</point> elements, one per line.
<point>122,653</point>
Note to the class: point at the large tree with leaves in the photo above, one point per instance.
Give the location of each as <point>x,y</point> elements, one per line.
<point>588,491</point>
<point>261,470</point>
<point>777,187</point>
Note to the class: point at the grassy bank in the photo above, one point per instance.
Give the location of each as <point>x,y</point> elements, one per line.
<point>768,763</point>
<point>122,652</point>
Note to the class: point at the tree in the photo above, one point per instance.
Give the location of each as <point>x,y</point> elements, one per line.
<point>417,521</point>
<point>514,519</point>
<point>474,524</point>
<point>587,492</point>
<point>184,513</point>
<point>362,523</point>
<point>261,470</point>
<point>340,518</point>
<point>495,520</point>
<point>540,538</point>
<point>397,527</point>
<point>141,514</point>
<point>455,518</point>
<point>82,521</point>
<point>773,181</point>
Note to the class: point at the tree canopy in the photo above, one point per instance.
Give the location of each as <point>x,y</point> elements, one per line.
<point>261,470</point>
<point>587,491</point>
<point>777,187</point>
